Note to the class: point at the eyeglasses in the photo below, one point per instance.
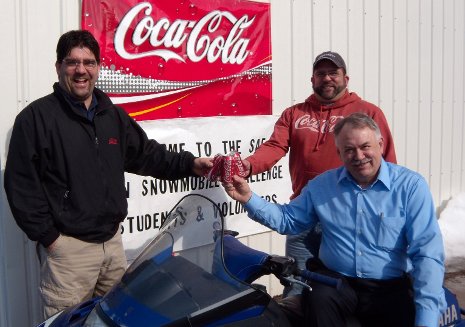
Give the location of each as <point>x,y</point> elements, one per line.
<point>330,73</point>
<point>73,63</point>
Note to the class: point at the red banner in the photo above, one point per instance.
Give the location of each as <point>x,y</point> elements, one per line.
<point>180,58</point>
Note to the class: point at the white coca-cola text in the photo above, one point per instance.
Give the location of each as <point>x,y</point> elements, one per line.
<point>314,124</point>
<point>163,36</point>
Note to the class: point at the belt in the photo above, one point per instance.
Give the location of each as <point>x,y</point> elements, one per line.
<point>402,282</point>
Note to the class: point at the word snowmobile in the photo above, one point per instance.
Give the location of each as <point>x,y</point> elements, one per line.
<point>196,273</point>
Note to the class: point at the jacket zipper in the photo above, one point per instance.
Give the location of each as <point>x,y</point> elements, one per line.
<point>104,181</point>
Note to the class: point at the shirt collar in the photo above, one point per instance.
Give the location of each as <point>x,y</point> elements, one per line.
<point>383,175</point>
<point>79,105</point>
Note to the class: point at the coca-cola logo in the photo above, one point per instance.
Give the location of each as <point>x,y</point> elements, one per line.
<point>199,38</point>
<point>174,59</point>
<point>317,125</point>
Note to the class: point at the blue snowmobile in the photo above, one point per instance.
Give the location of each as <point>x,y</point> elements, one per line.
<point>196,273</point>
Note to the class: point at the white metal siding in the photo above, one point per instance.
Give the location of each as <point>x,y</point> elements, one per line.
<point>405,56</point>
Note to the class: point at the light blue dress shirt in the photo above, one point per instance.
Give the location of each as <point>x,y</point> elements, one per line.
<point>372,232</point>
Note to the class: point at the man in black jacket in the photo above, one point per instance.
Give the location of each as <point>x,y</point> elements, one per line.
<point>64,176</point>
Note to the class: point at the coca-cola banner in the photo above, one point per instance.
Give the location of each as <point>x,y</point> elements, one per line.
<point>183,58</point>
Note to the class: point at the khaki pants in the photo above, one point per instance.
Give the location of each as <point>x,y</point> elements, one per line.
<point>75,271</point>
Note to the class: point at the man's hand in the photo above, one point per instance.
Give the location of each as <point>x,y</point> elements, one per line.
<point>238,190</point>
<point>52,246</point>
<point>202,166</point>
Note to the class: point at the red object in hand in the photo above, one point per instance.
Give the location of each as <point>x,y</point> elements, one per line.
<point>225,167</point>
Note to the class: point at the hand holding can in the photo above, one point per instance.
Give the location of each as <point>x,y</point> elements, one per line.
<point>225,167</point>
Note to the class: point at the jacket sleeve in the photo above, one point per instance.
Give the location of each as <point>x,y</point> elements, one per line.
<point>270,152</point>
<point>25,162</point>
<point>389,153</point>
<point>150,158</point>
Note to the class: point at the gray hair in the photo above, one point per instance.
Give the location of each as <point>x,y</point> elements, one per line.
<point>357,120</point>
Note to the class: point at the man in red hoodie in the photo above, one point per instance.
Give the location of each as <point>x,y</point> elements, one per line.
<point>304,130</point>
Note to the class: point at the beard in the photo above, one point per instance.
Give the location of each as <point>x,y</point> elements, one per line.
<point>320,90</point>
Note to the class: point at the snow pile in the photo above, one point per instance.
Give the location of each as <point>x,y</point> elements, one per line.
<point>452,224</point>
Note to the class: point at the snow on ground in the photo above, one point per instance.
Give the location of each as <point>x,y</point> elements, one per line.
<point>452,224</point>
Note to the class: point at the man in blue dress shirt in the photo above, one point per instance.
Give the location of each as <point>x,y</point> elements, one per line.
<point>378,220</point>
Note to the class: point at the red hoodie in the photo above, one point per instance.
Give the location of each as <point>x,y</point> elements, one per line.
<point>304,129</point>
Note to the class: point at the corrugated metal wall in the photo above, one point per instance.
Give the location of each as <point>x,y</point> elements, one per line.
<point>405,56</point>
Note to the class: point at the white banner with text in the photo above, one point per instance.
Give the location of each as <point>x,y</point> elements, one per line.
<point>151,199</point>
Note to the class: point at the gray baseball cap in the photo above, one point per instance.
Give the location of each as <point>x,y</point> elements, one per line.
<point>334,57</point>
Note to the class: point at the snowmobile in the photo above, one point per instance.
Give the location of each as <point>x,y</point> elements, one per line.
<point>197,273</point>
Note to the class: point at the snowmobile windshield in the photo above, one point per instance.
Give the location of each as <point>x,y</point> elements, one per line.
<point>180,273</point>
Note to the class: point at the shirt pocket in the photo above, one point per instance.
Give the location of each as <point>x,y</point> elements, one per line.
<point>390,233</point>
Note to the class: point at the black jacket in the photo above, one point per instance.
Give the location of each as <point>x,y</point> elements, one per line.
<point>65,174</point>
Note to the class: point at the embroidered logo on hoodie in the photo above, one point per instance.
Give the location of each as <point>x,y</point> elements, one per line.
<point>112,140</point>
<point>317,125</point>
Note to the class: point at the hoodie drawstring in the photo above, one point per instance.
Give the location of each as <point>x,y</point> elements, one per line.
<point>317,144</point>
<point>321,140</point>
